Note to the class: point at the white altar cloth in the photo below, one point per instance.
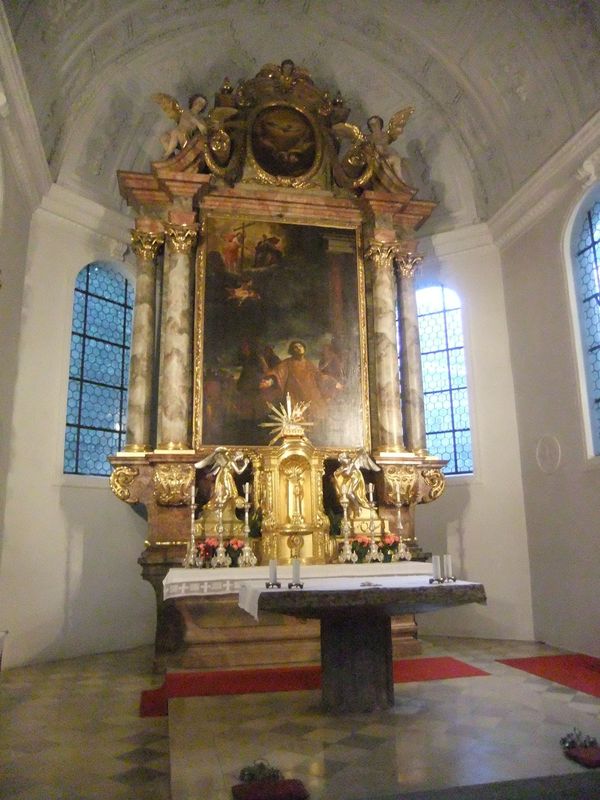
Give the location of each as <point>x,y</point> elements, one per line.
<point>186,582</point>
<point>250,591</point>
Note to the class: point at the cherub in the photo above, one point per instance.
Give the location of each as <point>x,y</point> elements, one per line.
<point>369,155</point>
<point>349,481</point>
<point>187,121</point>
<point>381,139</point>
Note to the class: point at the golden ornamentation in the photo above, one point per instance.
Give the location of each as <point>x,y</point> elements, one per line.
<point>146,245</point>
<point>382,254</point>
<point>181,237</point>
<point>407,264</point>
<point>172,483</point>
<point>436,483</point>
<point>120,481</point>
<point>402,484</point>
<point>288,420</point>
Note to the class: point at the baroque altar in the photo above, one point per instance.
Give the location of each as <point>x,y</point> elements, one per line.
<point>276,253</point>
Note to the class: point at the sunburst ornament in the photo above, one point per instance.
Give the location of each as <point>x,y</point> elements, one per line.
<point>287,419</point>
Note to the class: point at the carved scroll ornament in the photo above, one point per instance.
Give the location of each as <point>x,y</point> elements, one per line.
<point>121,480</point>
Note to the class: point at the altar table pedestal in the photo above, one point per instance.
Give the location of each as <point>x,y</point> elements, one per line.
<point>356,640</point>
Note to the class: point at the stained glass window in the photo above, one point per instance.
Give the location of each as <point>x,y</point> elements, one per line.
<point>587,283</point>
<point>99,369</point>
<point>445,394</point>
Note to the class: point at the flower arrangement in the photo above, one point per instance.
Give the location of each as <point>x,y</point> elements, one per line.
<point>233,549</point>
<point>206,549</point>
<point>388,545</point>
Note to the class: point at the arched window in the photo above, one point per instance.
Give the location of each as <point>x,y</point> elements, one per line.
<point>586,273</point>
<point>445,392</point>
<point>99,369</point>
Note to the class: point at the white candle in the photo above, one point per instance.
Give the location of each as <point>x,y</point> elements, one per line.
<point>397,492</point>
<point>448,566</point>
<point>273,570</point>
<point>296,570</point>
<point>436,563</point>
<point>247,491</point>
<point>193,495</point>
<point>370,488</point>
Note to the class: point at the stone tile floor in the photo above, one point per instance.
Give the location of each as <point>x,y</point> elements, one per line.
<point>70,730</point>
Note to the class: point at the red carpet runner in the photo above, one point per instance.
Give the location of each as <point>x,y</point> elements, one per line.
<point>575,670</point>
<point>155,702</point>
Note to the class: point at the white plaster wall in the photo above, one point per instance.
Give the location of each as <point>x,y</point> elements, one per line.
<point>563,508</point>
<point>14,228</point>
<point>480,520</point>
<point>69,581</point>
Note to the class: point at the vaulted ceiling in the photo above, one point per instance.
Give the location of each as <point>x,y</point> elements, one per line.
<point>497,86</point>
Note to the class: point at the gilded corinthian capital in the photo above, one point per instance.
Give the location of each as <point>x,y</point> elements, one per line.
<point>407,264</point>
<point>181,237</point>
<point>382,254</point>
<point>145,245</point>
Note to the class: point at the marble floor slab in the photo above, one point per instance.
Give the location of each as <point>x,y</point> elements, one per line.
<point>70,730</point>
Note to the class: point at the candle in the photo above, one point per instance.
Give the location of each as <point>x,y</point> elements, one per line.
<point>273,570</point>
<point>247,491</point>
<point>436,563</point>
<point>397,492</point>
<point>448,566</point>
<point>193,495</point>
<point>370,488</point>
<point>296,570</point>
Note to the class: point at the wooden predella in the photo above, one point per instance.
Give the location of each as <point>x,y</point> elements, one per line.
<point>276,252</point>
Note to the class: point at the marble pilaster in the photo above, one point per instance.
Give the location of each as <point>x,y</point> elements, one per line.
<point>175,370</point>
<point>411,372</point>
<point>389,430</point>
<point>145,245</point>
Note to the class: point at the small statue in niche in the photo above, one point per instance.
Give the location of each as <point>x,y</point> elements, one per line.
<point>187,121</point>
<point>223,464</point>
<point>349,481</point>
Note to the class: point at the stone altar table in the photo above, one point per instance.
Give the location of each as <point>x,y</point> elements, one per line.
<point>355,615</point>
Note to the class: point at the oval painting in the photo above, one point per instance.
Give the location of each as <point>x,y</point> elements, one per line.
<point>283,142</point>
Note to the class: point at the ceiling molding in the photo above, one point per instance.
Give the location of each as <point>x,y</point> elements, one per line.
<point>19,133</point>
<point>576,162</point>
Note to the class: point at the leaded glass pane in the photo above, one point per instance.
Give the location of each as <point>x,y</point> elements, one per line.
<point>106,283</point>
<point>451,299</point>
<point>103,363</point>
<point>70,449</point>
<point>73,397</point>
<point>429,300</point>
<point>454,328</point>
<point>435,372</point>
<point>464,451</point>
<point>101,406</point>
<point>76,352</point>
<point>78,312</point>
<point>94,447</point>
<point>442,444</point>
<point>460,406</point>
<point>432,333</point>
<point>438,414</point>
<point>104,320</point>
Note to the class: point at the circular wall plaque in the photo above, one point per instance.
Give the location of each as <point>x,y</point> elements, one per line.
<point>283,142</point>
<point>548,454</point>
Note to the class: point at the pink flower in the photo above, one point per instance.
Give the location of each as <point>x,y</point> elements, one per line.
<point>362,540</point>
<point>212,542</point>
<point>390,538</point>
<point>237,544</point>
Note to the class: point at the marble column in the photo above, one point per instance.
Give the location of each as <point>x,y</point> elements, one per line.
<point>389,431</point>
<point>145,245</point>
<point>175,370</point>
<point>411,372</point>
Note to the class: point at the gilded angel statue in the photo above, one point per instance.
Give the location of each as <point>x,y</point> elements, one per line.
<point>369,156</point>
<point>349,481</point>
<point>187,120</point>
<point>223,464</point>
